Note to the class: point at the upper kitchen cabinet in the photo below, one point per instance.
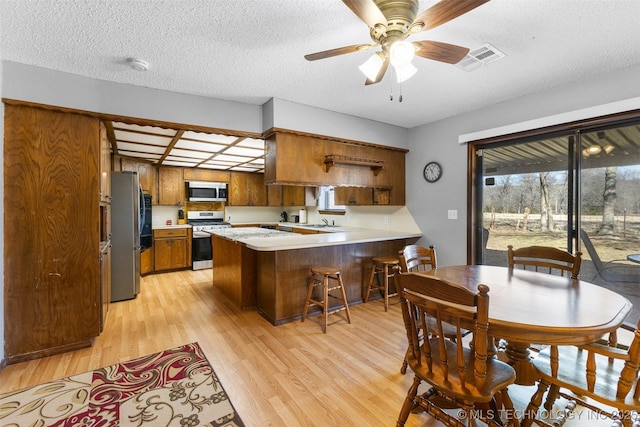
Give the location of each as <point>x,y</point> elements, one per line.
<point>295,158</point>
<point>211,175</point>
<point>290,195</point>
<point>52,236</point>
<point>105,166</point>
<point>361,196</point>
<point>247,189</point>
<point>170,186</point>
<point>147,175</point>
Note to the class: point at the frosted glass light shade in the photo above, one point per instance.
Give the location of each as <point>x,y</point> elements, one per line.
<point>371,68</point>
<point>401,53</point>
<point>405,72</point>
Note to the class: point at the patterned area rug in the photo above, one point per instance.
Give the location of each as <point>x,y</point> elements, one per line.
<point>176,387</point>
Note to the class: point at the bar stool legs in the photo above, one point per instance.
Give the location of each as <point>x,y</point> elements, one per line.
<point>385,266</point>
<point>320,276</point>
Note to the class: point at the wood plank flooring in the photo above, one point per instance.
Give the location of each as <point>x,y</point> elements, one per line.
<point>290,375</point>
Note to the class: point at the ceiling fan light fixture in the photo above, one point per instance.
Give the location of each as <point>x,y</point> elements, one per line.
<point>372,66</point>
<point>609,148</point>
<point>401,53</point>
<point>405,72</point>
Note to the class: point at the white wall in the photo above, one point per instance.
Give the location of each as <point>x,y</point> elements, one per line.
<point>429,203</point>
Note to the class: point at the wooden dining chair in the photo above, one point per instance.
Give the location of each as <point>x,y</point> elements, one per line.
<point>604,372</point>
<point>415,258</point>
<point>545,259</point>
<point>460,376</point>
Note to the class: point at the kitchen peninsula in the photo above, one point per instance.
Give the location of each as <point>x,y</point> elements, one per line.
<point>269,269</point>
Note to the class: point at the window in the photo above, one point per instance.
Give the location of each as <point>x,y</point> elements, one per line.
<point>326,201</point>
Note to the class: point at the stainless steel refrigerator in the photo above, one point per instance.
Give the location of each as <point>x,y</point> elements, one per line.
<point>125,235</point>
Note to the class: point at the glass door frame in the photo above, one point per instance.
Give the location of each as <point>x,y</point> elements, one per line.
<point>571,130</point>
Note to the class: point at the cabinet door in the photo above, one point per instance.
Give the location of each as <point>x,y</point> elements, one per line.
<point>381,196</point>
<point>247,189</point>
<point>162,254</point>
<point>146,261</point>
<point>293,195</point>
<point>105,165</point>
<point>170,186</point>
<point>274,195</point>
<point>353,196</point>
<point>147,174</point>
<point>52,260</point>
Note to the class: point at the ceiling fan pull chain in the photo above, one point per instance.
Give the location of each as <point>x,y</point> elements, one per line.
<point>400,99</point>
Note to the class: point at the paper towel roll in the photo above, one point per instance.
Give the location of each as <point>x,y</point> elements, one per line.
<point>303,216</point>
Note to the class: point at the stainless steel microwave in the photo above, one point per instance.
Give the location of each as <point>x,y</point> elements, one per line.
<point>202,191</point>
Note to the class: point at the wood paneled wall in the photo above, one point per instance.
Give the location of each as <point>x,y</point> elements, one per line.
<point>51,221</point>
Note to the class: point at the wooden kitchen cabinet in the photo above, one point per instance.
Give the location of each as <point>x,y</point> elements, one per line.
<point>381,196</point>
<point>247,189</point>
<point>146,261</point>
<point>171,249</point>
<point>170,186</point>
<point>52,238</point>
<point>147,175</point>
<point>353,196</point>
<point>290,195</point>
<point>105,166</point>
<point>210,175</point>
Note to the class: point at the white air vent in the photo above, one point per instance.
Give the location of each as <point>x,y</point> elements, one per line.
<point>478,57</point>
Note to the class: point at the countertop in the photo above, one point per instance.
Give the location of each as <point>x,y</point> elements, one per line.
<point>261,239</point>
<point>167,227</point>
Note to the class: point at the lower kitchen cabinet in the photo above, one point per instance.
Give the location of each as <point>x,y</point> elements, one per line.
<point>171,249</point>
<point>146,261</point>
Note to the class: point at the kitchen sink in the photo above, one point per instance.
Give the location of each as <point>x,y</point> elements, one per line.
<point>314,225</point>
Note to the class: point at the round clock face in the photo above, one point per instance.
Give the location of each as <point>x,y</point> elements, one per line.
<point>432,172</point>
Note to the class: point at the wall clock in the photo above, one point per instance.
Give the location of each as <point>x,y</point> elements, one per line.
<point>432,171</point>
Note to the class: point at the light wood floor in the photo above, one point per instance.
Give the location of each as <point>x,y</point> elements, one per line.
<point>290,375</point>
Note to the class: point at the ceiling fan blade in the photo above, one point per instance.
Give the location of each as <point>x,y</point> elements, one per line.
<point>380,75</point>
<point>444,11</point>
<point>438,51</point>
<point>367,11</point>
<point>338,51</point>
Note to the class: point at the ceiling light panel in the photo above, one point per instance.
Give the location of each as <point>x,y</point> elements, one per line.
<point>251,143</point>
<point>143,138</point>
<point>244,169</point>
<point>144,129</point>
<point>189,153</point>
<point>208,137</point>
<point>235,159</point>
<point>241,151</point>
<point>176,163</point>
<point>202,146</point>
<point>140,155</point>
<point>127,146</point>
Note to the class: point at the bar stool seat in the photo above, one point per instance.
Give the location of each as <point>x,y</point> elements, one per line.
<point>320,276</point>
<point>386,266</point>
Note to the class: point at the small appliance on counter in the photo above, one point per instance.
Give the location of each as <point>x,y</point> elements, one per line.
<point>284,216</point>
<point>295,218</point>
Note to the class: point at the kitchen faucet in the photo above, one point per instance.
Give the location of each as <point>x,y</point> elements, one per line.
<point>326,222</point>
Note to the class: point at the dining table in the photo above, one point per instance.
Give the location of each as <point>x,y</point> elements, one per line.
<point>529,307</point>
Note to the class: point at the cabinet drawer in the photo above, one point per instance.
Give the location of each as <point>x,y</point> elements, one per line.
<point>178,232</point>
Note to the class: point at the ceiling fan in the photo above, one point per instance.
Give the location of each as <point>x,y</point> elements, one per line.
<point>390,23</point>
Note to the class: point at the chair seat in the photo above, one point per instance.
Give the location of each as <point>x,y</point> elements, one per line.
<point>499,374</point>
<point>572,375</point>
<point>386,260</point>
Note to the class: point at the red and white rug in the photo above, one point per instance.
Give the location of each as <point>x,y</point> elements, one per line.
<point>176,387</point>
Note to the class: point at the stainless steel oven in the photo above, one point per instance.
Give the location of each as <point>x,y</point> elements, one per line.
<point>201,249</point>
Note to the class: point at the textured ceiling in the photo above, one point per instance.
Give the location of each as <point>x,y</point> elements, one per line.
<point>251,51</point>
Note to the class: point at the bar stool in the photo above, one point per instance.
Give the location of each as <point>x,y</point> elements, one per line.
<point>386,266</point>
<point>320,276</point>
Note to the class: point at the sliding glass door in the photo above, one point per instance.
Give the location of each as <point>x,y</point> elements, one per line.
<point>525,197</point>
<point>577,190</point>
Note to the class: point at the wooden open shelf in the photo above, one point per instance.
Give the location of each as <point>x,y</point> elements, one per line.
<point>336,159</point>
